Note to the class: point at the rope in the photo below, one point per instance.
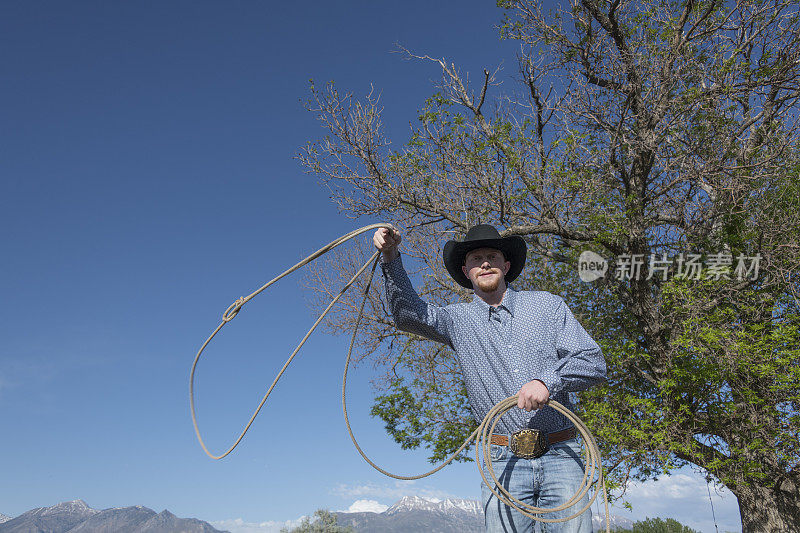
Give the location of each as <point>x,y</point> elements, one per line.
<point>713,515</point>
<point>480,436</point>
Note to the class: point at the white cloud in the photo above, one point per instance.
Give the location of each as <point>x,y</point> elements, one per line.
<point>237,525</point>
<point>366,506</point>
<point>676,487</point>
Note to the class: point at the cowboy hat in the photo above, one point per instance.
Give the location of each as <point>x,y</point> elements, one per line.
<point>484,236</point>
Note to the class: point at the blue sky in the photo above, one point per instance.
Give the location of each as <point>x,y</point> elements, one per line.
<point>147,180</point>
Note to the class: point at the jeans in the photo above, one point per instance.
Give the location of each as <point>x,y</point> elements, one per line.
<point>547,481</point>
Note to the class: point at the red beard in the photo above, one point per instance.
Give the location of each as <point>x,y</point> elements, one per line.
<point>489,283</point>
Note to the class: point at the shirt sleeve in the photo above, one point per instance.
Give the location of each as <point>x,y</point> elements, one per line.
<point>579,361</point>
<point>410,312</point>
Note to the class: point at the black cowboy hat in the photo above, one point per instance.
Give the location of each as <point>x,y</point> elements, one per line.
<point>484,236</point>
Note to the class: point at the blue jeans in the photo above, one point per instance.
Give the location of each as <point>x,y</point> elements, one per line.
<point>547,481</point>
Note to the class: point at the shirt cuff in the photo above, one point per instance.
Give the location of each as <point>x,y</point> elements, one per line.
<point>552,381</point>
<point>391,264</point>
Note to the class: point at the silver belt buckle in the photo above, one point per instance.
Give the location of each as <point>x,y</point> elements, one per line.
<point>528,443</point>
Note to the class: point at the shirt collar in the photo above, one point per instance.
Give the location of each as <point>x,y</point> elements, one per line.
<point>507,303</point>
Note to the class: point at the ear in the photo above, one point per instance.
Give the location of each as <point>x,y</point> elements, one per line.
<point>506,267</point>
<point>465,271</point>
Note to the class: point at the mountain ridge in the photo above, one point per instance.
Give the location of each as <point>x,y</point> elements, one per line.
<point>77,517</point>
<point>415,514</point>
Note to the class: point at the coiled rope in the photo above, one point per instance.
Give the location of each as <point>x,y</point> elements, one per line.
<point>481,436</point>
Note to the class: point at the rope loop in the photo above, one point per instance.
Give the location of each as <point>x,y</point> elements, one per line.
<point>233,309</point>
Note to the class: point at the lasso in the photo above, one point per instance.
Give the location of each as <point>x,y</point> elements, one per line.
<point>481,436</point>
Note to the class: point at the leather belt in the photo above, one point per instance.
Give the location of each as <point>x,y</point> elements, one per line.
<point>552,438</point>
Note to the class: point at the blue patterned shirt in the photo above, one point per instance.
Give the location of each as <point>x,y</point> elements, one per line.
<point>530,335</point>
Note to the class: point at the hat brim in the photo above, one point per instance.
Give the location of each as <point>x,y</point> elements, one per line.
<point>514,250</point>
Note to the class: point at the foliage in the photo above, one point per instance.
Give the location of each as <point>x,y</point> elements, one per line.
<point>407,415</point>
<point>324,522</point>
<point>657,525</point>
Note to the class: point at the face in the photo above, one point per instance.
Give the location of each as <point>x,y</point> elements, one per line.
<point>486,268</point>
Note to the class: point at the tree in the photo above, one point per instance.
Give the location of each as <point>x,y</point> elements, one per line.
<point>662,135</point>
<point>657,525</point>
<point>324,522</point>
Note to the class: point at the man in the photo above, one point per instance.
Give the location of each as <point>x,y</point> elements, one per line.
<point>508,342</point>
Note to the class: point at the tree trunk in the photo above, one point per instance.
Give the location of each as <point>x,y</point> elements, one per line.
<point>766,510</point>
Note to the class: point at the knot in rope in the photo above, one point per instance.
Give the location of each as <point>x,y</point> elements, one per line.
<point>233,309</point>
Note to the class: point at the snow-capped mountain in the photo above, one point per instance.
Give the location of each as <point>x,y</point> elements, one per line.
<point>411,503</point>
<point>415,503</point>
<point>77,517</point>
<point>470,506</point>
<point>414,514</point>
<point>117,519</point>
<point>61,517</point>
<point>4,518</point>
<point>618,523</point>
